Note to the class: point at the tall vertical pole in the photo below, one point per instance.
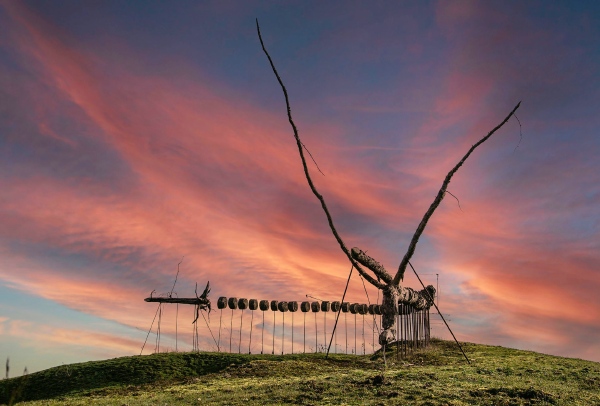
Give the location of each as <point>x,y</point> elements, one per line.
<point>316,334</point>
<point>240,342</point>
<point>398,333</point>
<point>363,333</point>
<point>230,330</point>
<point>220,321</point>
<point>251,325</point>
<point>346,328</point>
<point>355,353</point>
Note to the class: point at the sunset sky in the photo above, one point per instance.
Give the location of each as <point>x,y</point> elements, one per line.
<point>135,134</point>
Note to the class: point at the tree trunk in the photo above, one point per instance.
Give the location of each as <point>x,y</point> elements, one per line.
<point>392,291</point>
<point>392,297</point>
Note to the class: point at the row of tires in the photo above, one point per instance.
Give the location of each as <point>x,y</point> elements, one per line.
<point>234,303</point>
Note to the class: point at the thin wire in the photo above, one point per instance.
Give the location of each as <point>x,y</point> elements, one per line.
<point>338,314</point>
<point>176,276</point>
<point>369,300</point>
<point>207,325</point>
<point>150,329</point>
<point>196,328</point>
<point>438,310</point>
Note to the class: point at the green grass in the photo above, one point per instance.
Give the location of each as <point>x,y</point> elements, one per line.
<point>435,376</point>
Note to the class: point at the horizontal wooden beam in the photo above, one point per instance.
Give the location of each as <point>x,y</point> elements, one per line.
<point>182,300</point>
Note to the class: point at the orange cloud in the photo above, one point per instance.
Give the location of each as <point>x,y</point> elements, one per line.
<point>218,180</point>
<point>52,337</point>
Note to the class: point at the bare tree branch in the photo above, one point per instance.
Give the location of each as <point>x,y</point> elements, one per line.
<point>520,133</point>
<point>370,263</point>
<point>438,199</point>
<point>368,277</point>
<point>457,201</point>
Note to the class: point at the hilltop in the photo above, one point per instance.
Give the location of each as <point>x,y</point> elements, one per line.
<point>438,375</point>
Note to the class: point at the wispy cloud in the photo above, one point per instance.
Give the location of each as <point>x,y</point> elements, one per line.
<point>114,171</point>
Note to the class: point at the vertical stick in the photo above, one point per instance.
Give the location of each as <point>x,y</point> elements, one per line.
<point>405,317</point>
<point>316,334</point>
<point>355,353</point>
<point>335,338</point>
<point>346,327</point>
<point>398,333</point>
<point>418,314</point>
<point>251,325</point>
<point>428,327</point>
<point>230,330</point>
<point>240,342</point>
<point>414,327</point>
<point>220,321</point>
<point>373,331</point>
<point>304,348</point>
<point>363,333</point>
<point>324,327</point>
<point>401,334</point>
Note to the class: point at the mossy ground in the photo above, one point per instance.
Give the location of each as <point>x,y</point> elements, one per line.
<point>438,375</point>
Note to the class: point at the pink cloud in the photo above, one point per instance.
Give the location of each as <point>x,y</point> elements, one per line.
<point>50,337</point>
<point>219,181</point>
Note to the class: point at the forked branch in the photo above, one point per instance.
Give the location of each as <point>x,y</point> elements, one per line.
<point>368,277</point>
<point>438,199</point>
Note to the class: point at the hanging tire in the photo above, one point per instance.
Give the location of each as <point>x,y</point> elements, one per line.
<point>243,304</point>
<point>233,303</point>
<point>222,302</point>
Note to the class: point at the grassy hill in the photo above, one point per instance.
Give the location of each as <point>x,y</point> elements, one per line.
<point>435,376</point>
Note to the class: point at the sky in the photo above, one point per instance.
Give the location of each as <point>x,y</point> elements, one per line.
<point>136,136</point>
